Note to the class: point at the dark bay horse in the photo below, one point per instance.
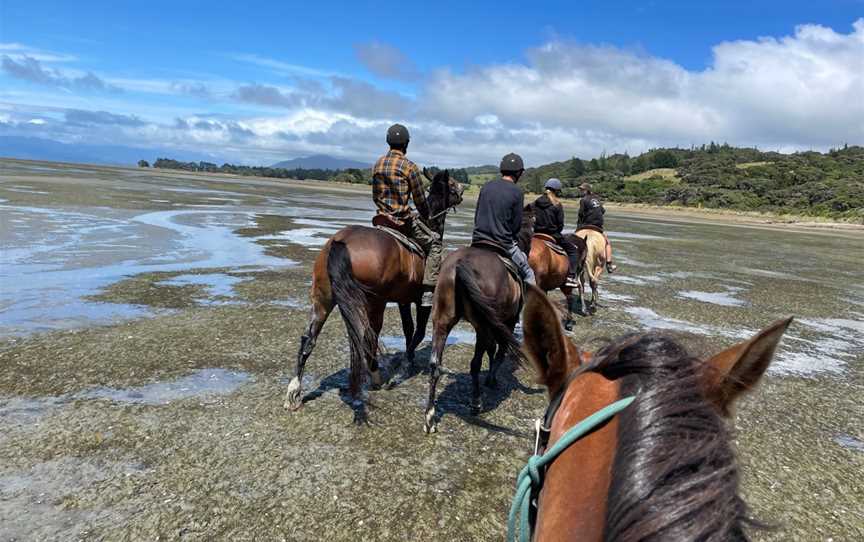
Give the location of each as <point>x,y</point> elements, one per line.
<point>361,269</point>
<point>474,284</point>
<point>664,467</point>
<point>551,267</point>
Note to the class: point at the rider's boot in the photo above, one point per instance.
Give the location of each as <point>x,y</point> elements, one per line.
<point>611,267</point>
<point>426,299</point>
<point>571,281</point>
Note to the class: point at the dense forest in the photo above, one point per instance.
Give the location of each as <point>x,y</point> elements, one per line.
<point>719,176</point>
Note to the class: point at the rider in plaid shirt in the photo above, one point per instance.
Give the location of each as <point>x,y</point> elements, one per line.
<point>395,181</point>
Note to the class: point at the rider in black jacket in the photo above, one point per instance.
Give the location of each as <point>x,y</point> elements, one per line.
<point>549,219</point>
<point>591,213</point>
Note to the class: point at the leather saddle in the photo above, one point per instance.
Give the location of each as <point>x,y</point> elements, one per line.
<point>551,243</point>
<point>504,256</point>
<point>399,231</point>
<point>598,229</point>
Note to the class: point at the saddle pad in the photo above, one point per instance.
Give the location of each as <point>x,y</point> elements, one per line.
<point>514,272</point>
<point>555,247</point>
<point>551,243</point>
<point>409,244</point>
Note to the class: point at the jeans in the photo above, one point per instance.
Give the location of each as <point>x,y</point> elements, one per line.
<point>521,261</point>
<point>431,243</point>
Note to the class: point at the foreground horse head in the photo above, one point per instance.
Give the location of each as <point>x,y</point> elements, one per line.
<point>360,270</point>
<point>661,469</point>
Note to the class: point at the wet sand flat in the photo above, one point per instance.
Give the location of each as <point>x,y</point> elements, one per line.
<point>149,322</point>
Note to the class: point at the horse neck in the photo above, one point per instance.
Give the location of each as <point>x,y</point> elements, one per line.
<point>437,209</point>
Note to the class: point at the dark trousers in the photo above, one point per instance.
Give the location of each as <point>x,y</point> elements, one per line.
<point>570,249</point>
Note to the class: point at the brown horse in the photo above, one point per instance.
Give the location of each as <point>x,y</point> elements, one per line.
<point>664,467</point>
<point>474,284</point>
<point>551,267</point>
<point>595,262</point>
<point>361,269</point>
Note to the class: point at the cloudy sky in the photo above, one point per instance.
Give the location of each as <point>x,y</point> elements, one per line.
<point>257,82</point>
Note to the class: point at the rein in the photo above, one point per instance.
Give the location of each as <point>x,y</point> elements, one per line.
<point>445,211</point>
<point>530,479</point>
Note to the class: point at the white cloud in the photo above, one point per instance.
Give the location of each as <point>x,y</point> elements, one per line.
<point>795,92</point>
<point>282,68</point>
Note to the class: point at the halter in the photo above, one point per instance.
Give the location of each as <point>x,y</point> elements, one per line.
<point>530,479</point>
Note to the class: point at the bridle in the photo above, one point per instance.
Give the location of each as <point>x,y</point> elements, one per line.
<point>530,479</point>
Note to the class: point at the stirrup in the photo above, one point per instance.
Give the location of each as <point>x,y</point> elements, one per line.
<point>426,298</point>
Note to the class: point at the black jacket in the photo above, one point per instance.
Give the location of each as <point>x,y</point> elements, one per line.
<point>591,211</point>
<point>498,216</point>
<point>548,217</point>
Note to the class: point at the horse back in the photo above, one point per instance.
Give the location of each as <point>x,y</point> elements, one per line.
<point>382,263</point>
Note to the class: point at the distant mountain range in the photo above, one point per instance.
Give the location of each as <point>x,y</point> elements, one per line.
<point>33,148</point>
<point>321,161</point>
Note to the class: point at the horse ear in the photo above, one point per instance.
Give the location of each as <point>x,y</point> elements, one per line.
<point>545,344</point>
<point>736,370</point>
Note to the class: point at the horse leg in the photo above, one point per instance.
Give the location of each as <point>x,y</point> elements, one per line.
<point>569,299</point>
<point>480,348</point>
<point>423,314</point>
<point>320,311</point>
<point>439,340</point>
<point>595,295</point>
<point>376,319</point>
<point>491,349</point>
<point>408,331</point>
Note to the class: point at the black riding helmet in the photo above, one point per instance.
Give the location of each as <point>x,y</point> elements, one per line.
<point>512,164</point>
<point>397,136</point>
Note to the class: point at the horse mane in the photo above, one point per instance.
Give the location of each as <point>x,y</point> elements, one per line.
<point>675,476</point>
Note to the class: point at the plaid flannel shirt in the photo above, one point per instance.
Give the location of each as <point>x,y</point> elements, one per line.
<point>395,180</point>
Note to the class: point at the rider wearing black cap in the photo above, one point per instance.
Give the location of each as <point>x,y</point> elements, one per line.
<point>395,182</point>
<point>591,213</point>
<point>549,219</point>
<point>498,217</point>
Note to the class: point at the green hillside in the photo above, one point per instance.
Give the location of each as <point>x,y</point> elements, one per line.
<point>719,176</point>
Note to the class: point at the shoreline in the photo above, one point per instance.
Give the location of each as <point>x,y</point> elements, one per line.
<point>667,212</point>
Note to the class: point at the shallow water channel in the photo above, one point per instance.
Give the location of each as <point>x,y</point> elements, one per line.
<point>149,321</point>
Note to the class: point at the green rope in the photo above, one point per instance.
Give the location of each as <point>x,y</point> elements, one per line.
<point>528,483</point>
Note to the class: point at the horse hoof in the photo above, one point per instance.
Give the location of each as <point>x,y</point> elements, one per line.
<point>292,397</point>
<point>568,326</point>
<point>475,407</point>
<point>376,380</point>
<point>429,426</point>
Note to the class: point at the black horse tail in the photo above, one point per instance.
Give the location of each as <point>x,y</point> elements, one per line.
<point>483,307</point>
<point>352,298</point>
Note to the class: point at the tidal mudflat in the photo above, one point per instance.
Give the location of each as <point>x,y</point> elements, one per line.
<point>150,320</point>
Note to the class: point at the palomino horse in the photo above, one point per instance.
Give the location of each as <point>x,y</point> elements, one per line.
<point>361,269</point>
<point>550,266</point>
<point>663,468</point>
<point>474,284</point>
<point>595,262</point>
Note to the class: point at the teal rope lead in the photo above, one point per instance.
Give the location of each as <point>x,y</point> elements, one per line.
<point>528,483</point>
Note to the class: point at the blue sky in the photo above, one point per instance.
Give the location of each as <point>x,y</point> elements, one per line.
<point>255,82</point>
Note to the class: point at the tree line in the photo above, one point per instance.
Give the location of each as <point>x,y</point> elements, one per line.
<point>722,176</point>
<point>350,175</point>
